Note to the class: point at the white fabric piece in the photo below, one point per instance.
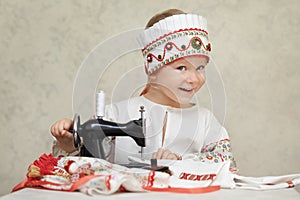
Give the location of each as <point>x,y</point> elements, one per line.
<point>267,182</point>
<point>191,174</point>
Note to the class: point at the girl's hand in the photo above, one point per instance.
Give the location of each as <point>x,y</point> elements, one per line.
<point>164,154</point>
<point>60,131</point>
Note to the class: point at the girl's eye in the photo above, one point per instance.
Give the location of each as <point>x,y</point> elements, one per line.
<point>200,68</point>
<point>181,68</point>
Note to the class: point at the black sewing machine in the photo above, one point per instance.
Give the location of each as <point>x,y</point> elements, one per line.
<point>94,131</point>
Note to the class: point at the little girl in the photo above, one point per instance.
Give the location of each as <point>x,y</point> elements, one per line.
<point>176,52</point>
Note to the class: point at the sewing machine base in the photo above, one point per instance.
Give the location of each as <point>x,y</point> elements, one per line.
<point>84,152</point>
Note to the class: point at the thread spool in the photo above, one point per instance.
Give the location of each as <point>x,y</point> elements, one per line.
<point>100,104</point>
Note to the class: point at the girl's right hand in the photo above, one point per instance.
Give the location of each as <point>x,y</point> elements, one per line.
<point>164,154</point>
<point>60,130</point>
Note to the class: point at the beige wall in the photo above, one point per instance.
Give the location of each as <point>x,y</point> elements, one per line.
<point>255,46</point>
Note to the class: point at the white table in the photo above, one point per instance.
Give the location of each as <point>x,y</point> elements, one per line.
<point>224,194</point>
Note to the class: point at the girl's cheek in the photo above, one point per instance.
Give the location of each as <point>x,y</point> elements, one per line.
<point>203,76</point>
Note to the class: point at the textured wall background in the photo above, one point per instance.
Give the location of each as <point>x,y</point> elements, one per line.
<point>255,45</point>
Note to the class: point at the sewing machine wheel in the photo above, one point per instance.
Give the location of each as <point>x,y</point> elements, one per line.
<point>76,124</point>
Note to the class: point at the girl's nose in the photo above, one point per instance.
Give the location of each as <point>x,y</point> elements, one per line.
<point>192,76</point>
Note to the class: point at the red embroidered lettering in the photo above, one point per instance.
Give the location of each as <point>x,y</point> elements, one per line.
<point>192,176</point>
<point>195,177</point>
<point>184,176</point>
<point>212,177</point>
<point>205,177</point>
<point>198,178</point>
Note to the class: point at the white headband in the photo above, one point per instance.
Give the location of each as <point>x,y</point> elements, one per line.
<point>173,38</point>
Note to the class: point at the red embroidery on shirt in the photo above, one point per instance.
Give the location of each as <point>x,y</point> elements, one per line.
<point>221,157</point>
<point>205,149</point>
<point>209,157</point>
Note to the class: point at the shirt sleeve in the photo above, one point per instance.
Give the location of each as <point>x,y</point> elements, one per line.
<point>216,147</point>
<point>57,151</point>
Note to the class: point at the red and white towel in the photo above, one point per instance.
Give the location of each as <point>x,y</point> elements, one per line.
<point>96,176</point>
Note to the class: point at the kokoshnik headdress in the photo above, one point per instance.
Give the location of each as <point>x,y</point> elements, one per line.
<point>173,38</point>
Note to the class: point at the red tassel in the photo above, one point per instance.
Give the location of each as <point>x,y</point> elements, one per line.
<point>45,164</point>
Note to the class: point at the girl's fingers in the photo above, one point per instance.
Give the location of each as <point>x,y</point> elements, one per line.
<point>59,128</point>
<point>164,154</point>
<point>154,155</point>
<point>67,124</point>
<point>171,156</point>
<point>159,153</point>
<point>66,134</point>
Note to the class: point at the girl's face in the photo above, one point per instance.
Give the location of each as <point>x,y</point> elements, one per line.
<point>177,82</point>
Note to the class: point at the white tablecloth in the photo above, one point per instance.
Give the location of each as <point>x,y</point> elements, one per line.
<point>37,194</point>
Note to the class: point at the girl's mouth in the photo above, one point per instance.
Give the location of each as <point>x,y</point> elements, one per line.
<point>186,89</point>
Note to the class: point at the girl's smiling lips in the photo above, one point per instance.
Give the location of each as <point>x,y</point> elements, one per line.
<point>186,89</point>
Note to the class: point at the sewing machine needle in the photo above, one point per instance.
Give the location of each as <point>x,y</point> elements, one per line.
<point>142,153</point>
